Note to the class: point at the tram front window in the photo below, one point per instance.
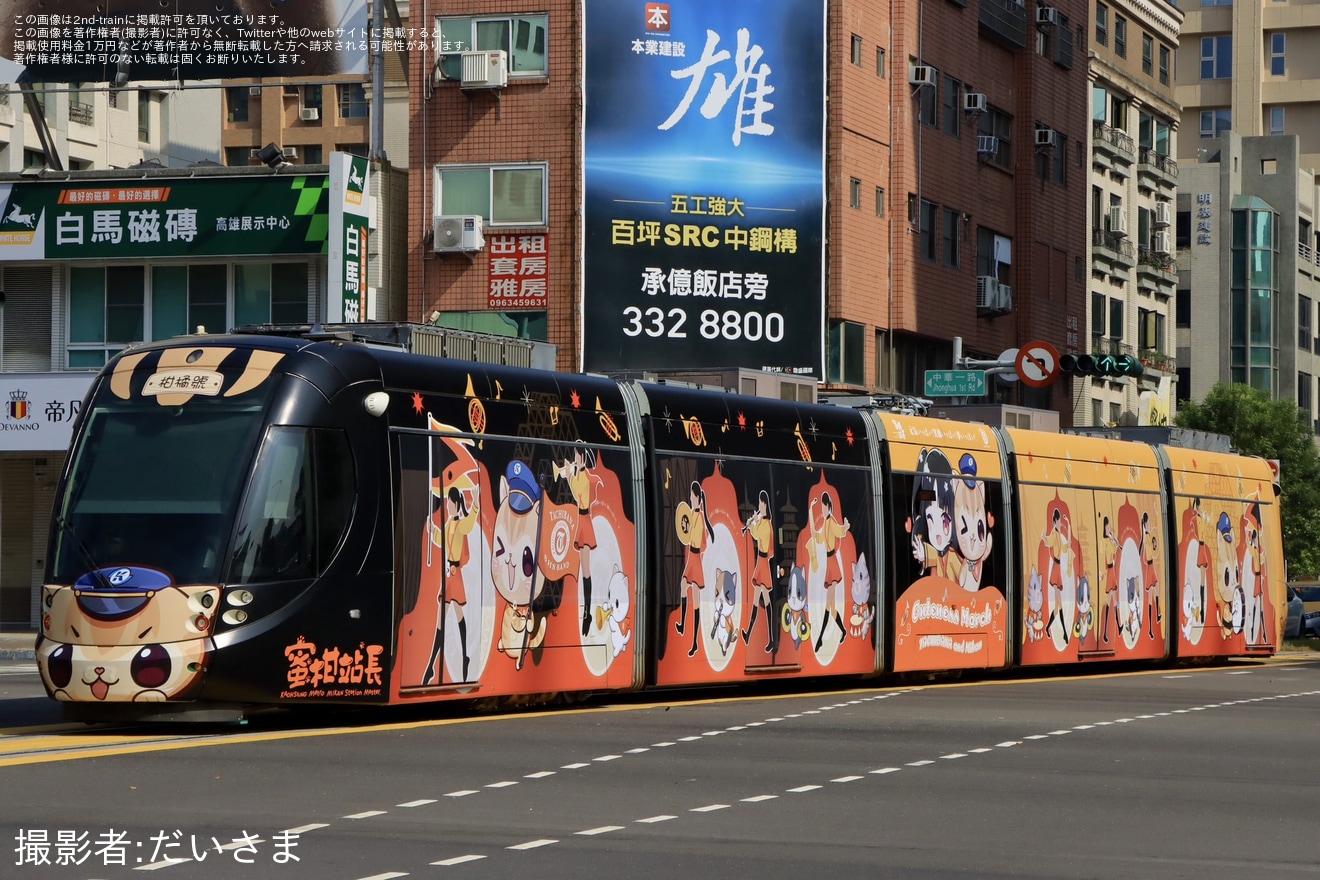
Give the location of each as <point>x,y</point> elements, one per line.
<point>156,486</point>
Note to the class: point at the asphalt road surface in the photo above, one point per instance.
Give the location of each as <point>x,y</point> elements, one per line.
<point>1195,773</point>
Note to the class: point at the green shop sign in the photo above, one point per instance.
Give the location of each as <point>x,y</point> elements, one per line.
<point>164,217</point>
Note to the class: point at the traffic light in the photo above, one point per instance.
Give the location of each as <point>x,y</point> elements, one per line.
<point>1104,365</point>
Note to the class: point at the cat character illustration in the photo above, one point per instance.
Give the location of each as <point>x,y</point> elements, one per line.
<point>1135,593</point>
<point>516,568</point>
<point>614,613</point>
<point>971,524</point>
<point>1035,606</point>
<point>863,614</point>
<point>795,620</point>
<point>1228,589</point>
<point>1085,619</point>
<point>725,629</point>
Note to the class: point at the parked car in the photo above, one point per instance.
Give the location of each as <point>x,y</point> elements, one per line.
<point>1310,596</point>
<point>1293,628</point>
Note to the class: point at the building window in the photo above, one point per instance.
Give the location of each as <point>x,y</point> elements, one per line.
<point>1276,120</point>
<point>236,104</point>
<point>1147,54</point>
<point>1216,2</point>
<point>1217,57</point>
<point>523,38</point>
<point>106,312</point>
<point>1101,24</point>
<point>1278,53</point>
<point>953,92</point>
<point>1115,318</point>
<point>1304,323</point>
<point>880,70</point>
<point>311,99</point>
<point>270,293</point>
<point>846,353</point>
<point>1150,331</point>
<point>1251,301</point>
<point>504,195</point>
<point>1098,301</point>
<point>1182,316</point>
<point>238,157</point>
<point>353,101</point>
<point>356,149</point>
<point>1304,394</point>
<point>951,220</point>
<point>1215,122</point>
<point>1164,65</point>
<point>856,50</point>
<point>879,201</point>
<point>1061,159</point>
<point>928,103</point>
<point>854,193</point>
<point>994,255</point>
<point>999,125</point>
<point>1120,36</point>
<point>312,154</point>
<point>929,216</point>
<point>144,116</point>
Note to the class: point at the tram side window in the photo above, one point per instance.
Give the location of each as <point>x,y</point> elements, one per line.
<point>297,506</point>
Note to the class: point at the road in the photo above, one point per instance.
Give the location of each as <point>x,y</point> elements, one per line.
<point>1196,773</point>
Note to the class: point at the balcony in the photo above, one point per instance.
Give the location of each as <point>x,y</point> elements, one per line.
<point>1159,268</point>
<point>1006,20</point>
<point>1116,251</point>
<point>80,112</point>
<point>1111,149</point>
<point>1154,359</point>
<point>1160,171</point>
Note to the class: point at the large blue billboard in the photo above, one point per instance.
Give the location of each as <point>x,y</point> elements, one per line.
<point>704,167</point>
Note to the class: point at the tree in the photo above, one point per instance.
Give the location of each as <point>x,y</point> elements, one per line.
<point>1257,425</point>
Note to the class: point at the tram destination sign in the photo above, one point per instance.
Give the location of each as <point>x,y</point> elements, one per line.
<point>955,383</point>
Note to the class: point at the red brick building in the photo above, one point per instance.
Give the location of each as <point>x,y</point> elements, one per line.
<point>956,142</point>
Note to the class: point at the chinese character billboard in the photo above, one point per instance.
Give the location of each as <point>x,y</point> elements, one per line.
<point>518,270</point>
<point>136,40</point>
<point>350,213</point>
<point>164,217</point>
<point>704,184</point>
<point>39,409</point>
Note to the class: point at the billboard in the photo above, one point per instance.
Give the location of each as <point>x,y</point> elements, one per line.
<point>704,168</point>
<point>136,40</point>
<point>350,221</point>
<point>164,217</point>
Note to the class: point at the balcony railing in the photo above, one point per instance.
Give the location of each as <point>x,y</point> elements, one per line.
<point>1101,344</point>
<point>1160,262</point>
<point>1112,138</point>
<point>1005,19</point>
<point>1155,359</point>
<point>1308,253</point>
<point>1118,245</point>
<point>80,112</point>
<point>1158,161</point>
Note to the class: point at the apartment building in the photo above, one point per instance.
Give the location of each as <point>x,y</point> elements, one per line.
<point>953,148</point>
<point>1134,182</point>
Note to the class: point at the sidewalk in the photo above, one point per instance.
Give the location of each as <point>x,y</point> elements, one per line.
<point>18,646</point>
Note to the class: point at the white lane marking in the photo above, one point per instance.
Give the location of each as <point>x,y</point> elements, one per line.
<point>1059,732</point>
<point>540,774</point>
<point>801,788</point>
<point>458,860</point>
<point>638,751</point>
<point>532,844</point>
<point>604,758</point>
<point>365,814</point>
<point>736,727</point>
<point>884,770</point>
<point>953,756</point>
<point>418,803</point>
<point>919,763</point>
<point>1005,745</point>
<point>577,766</point>
<point>653,819</point>
<point>604,829</point>
<point>156,866</point>
<point>847,779</point>
<point>661,745</point>
<point>1177,676</point>
<point>1037,736</point>
<point>505,784</point>
<point>303,829</point>
<point>709,808</point>
<point>758,798</point>
<point>712,733</point>
<point>388,875</point>
<point>688,739</point>
<point>1239,672</point>
<point>979,751</point>
<point>461,793</point>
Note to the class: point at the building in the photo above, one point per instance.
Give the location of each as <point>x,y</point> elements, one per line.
<point>1134,180</point>
<point>1249,278</point>
<point>953,178</point>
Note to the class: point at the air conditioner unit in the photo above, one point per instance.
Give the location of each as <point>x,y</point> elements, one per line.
<point>485,70</point>
<point>974,102</point>
<point>290,153</point>
<point>1118,220</point>
<point>253,153</point>
<point>1046,137</point>
<point>1161,244</point>
<point>1163,214</point>
<point>255,91</point>
<point>457,232</point>
<point>987,145</point>
<point>922,75</point>
<point>1047,15</point>
<point>992,296</point>
<point>309,114</point>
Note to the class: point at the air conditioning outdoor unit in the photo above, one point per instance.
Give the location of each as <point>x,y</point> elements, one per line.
<point>1047,15</point>
<point>290,153</point>
<point>485,70</point>
<point>992,296</point>
<point>457,233</point>
<point>1163,214</point>
<point>1046,137</point>
<point>254,90</point>
<point>987,145</point>
<point>922,75</point>
<point>1118,220</point>
<point>974,102</point>
<point>252,153</point>
<point>309,114</point>
<point>1161,244</point>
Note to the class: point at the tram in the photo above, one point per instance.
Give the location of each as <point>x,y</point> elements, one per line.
<point>250,520</point>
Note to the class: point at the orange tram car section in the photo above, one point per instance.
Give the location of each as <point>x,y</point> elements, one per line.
<point>250,521</point>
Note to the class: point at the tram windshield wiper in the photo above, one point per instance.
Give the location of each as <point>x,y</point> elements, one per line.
<point>65,525</point>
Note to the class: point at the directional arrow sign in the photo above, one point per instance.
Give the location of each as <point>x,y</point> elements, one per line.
<point>1037,364</point>
<point>955,383</point>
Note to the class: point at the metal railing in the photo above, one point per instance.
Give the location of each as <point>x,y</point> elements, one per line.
<point>1116,139</point>
<point>1158,161</point>
<point>80,112</point>
<point>1118,244</point>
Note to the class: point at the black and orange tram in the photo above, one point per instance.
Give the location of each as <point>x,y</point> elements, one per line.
<point>251,520</point>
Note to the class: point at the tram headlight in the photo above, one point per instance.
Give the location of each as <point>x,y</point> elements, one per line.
<point>239,598</point>
<point>376,402</point>
<point>234,616</point>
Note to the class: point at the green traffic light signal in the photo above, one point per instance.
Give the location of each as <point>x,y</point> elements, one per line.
<point>1101,365</point>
